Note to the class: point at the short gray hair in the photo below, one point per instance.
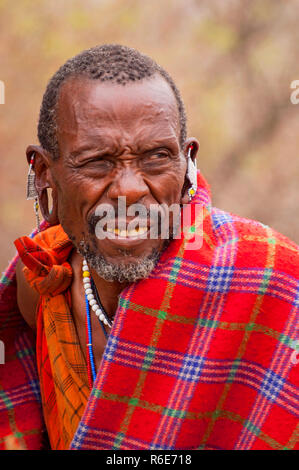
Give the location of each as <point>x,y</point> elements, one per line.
<point>109,62</point>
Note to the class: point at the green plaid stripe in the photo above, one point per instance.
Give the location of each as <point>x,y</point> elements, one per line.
<point>293,439</point>
<point>233,371</point>
<point>20,435</point>
<point>161,315</point>
<point>6,400</point>
<point>21,354</point>
<point>149,357</point>
<point>181,414</point>
<point>12,420</point>
<point>205,322</point>
<point>255,311</point>
<point>4,280</point>
<point>265,281</point>
<point>175,269</point>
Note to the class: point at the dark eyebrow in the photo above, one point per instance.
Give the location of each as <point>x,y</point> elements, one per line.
<point>147,146</point>
<point>85,148</point>
<point>78,151</point>
<point>167,142</point>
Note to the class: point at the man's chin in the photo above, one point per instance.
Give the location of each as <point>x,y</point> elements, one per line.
<point>125,267</point>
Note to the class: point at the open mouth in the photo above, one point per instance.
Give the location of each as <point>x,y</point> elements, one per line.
<point>136,232</point>
<point>128,230</point>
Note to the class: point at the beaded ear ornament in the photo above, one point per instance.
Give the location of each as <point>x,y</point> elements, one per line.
<point>191,173</point>
<point>31,190</point>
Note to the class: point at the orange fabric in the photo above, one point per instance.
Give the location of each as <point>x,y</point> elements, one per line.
<point>61,365</point>
<point>45,259</point>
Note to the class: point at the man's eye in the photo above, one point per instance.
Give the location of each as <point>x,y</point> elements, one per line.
<point>99,163</point>
<point>161,155</point>
<point>157,156</point>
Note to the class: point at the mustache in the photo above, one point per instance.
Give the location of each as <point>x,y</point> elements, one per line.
<point>93,219</point>
<point>155,218</point>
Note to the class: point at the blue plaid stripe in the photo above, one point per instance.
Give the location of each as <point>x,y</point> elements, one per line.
<point>199,369</point>
<point>79,436</point>
<point>111,348</point>
<point>220,278</point>
<point>296,300</point>
<point>26,354</point>
<point>113,340</point>
<point>34,384</point>
<point>284,294</point>
<point>16,396</point>
<point>220,218</point>
<point>280,285</point>
<point>271,385</point>
<point>106,439</point>
<point>191,368</point>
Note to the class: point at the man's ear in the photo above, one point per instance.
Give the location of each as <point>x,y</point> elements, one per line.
<point>40,166</point>
<point>191,147</point>
<point>43,181</point>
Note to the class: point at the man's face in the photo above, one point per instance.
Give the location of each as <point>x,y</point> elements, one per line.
<point>116,141</point>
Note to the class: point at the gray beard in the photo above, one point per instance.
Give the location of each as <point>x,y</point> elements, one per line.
<point>122,272</point>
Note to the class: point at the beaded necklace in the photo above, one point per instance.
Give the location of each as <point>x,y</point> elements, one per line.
<point>92,301</point>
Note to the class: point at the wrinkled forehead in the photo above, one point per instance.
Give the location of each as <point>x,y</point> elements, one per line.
<point>89,107</point>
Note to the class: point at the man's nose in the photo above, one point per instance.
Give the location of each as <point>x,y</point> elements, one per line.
<point>130,184</point>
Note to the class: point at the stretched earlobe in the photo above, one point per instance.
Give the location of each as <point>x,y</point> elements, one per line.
<point>51,216</point>
<point>190,184</point>
<point>191,174</point>
<point>38,183</point>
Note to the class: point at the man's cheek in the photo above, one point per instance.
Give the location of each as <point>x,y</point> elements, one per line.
<point>69,217</point>
<point>172,187</point>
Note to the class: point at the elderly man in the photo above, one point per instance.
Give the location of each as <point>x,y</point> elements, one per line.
<point>182,339</point>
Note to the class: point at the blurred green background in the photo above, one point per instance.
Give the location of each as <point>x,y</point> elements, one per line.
<point>233,61</point>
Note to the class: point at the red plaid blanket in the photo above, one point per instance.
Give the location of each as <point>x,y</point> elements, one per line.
<point>202,354</point>
<point>21,417</point>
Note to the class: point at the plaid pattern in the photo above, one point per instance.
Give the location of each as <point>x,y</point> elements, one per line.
<point>61,365</point>
<point>199,353</point>
<point>21,418</point>
<point>62,371</point>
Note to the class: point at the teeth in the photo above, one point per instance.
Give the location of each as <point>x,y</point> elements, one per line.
<point>127,233</point>
<point>112,230</point>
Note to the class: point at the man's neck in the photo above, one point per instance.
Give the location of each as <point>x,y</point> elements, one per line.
<point>108,292</point>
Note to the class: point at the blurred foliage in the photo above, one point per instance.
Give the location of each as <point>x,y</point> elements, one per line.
<point>233,62</point>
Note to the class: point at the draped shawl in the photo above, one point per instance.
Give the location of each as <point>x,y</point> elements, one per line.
<point>202,353</point>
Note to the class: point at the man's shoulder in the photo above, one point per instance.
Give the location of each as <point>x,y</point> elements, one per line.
<point>255,243</point>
